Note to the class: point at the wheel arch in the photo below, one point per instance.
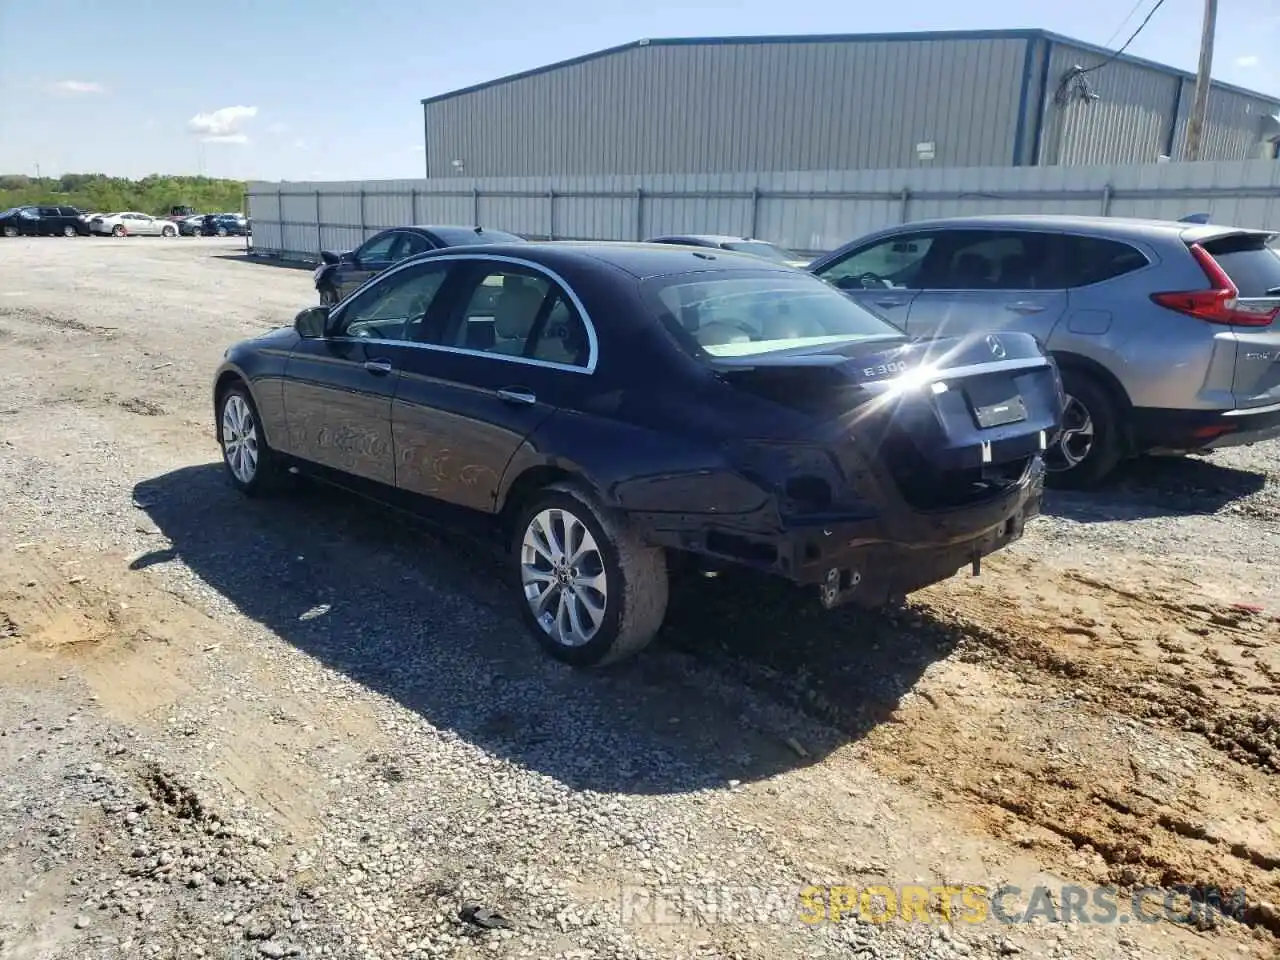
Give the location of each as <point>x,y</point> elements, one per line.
<point>226,379</point>
<point>1077,363</point>
<point>525,484</point>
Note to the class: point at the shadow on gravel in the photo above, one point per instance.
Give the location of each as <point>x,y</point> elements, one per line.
<point>265,261</point>
<point>1159,487</point>
<point>426,618</point>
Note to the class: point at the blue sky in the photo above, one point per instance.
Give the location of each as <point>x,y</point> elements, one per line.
<point>329,89</point>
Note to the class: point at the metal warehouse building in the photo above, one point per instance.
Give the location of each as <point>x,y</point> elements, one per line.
<point>878,101</point>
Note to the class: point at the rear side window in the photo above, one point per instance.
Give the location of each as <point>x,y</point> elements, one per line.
<point>1086,260</point>
<point>1252,264</point>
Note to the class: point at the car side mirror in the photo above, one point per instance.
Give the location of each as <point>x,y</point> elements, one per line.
<point>312,322</point>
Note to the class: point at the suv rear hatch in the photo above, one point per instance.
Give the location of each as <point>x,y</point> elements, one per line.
<point>1242,295</point>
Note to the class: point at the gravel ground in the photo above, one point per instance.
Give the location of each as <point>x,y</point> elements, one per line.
<point>309,728</point>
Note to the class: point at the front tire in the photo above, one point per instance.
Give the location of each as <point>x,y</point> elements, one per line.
<point>252,466</point>
<point>11,231</point>
<point>68,231</point>
<point>118,231</point>
<point>1090,444</point>
<point>328,296</point>
<point>590,590</point>
<point>222,231</point>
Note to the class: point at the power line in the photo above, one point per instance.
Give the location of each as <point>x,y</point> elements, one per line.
<point>1127,17</point>
<point>1133,36</point>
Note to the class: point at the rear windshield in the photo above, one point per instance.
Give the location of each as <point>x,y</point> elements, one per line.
<point>746,313</point>
<point>760,249</point>
<point>1251,261</point>
<point>461,237</point>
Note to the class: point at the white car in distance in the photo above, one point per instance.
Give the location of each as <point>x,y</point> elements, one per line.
<point>132,225</point>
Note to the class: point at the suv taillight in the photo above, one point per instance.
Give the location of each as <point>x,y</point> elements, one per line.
<point>1219,304</point>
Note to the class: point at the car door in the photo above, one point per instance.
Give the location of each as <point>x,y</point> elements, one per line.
<point>338,389</point>
<point>513,348</point>
<point>372,257</point>
<point>883,275</point>
<point>50,221</point>
<point>982,281</point>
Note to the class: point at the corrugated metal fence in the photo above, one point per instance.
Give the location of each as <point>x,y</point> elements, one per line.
<point>808,212</point>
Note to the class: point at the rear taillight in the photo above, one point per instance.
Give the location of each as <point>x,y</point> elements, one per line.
<point>1219,304</point>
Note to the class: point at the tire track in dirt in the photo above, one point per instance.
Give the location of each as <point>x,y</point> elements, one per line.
<point>150,658</point>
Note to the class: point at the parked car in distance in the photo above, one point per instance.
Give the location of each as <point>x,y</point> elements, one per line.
<point>341,273</point>
<point>225,225</point>
<point>761,248</point>
<point>599,405</point>
<point>132,224</point>
<point>1164,331</point>
<point>42,221</point>
<point>191,226</point>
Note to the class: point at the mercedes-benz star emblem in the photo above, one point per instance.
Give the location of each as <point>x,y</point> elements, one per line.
<point>997,348</point>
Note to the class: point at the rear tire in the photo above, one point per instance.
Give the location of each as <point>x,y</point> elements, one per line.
<point>68,231</point>
<point>252,466</point>
<point>168,232</point>
<point>222,231</point>
<point>118,231</point>
<point>554,561</point>
<point>1091,442</point>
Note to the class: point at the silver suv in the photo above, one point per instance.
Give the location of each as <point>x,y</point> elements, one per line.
<point>1165,332</point>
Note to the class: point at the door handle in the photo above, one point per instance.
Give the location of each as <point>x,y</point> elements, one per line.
<point>1024,306</point>
<point>890,303</point>
<point>515,395</point>
<point>378,366</point>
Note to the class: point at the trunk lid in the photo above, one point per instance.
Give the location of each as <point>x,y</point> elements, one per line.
<point>952,421</point>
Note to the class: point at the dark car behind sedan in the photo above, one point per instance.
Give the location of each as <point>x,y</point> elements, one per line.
<point>341,273</point>
<point>225,225</point>
<point>43,221</point>
<point>600,407</point>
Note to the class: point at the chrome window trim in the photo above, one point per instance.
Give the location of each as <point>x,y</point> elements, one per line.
<point>593,343</point>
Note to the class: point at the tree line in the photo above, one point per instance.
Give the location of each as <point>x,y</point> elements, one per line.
<point>98,193</point>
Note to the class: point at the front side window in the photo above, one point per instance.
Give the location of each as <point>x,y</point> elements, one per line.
<point>49,212</point>
<point>379,249</point>
<point>741,313</point>
<point>395,307</point>
<point>517,312</point>
<point>896,262</point>
<point>29,213</point>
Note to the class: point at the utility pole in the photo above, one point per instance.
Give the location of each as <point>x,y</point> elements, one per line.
<point>1195,124</point>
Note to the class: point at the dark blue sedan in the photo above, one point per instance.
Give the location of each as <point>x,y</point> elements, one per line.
<point>340,273</point>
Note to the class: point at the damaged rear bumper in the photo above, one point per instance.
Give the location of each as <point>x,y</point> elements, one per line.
<point>871,558</point>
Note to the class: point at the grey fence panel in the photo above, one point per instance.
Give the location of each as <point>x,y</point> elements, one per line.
<point>809,211</point>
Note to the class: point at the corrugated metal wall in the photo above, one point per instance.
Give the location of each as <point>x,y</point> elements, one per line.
<point>807,211</point>
<point>1232,128</point>
<point>725,107</point>
<point>1141,114</point>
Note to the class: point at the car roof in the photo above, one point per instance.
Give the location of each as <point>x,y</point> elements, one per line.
<point>641,260</point>
<point>709,238</point>
<point>1131,228</point>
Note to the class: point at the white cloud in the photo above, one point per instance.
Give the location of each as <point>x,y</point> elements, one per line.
<point>77,86</point>
<point>1249,61</point>
<point>223,125</point>
<point>300,144</point>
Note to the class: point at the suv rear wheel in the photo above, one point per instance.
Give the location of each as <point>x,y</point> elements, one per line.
<point>1089,446</point>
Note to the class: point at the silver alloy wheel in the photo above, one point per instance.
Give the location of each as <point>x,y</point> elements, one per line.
<point>10,231</point>
<point>168,232</point>
<point>1075,440</point>
<point>240,438</point>
<point>562,570</point>
<point>68,231</point>
<point>222,231</point>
